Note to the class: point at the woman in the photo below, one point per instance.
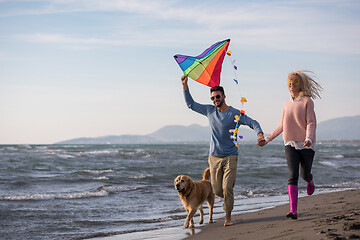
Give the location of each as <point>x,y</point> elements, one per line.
<point>298,125</point>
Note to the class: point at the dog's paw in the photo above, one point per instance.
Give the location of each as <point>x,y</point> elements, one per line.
<point>210,221</point>
<point>186,225</point>
<point>201,221</point>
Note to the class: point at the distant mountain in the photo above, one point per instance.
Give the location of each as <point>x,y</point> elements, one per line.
<point>123,139</point>
<point>167,134</point>
<point>178,133</point>
<point>345,128</point>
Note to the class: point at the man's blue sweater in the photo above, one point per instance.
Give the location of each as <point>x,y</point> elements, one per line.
<point>221,144</point>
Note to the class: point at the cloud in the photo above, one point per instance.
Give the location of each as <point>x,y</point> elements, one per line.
<point>45,7</point>
<point>277,25</point>
<point>66,39</point>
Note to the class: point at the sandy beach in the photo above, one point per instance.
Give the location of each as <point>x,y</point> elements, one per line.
<point>333,215</point>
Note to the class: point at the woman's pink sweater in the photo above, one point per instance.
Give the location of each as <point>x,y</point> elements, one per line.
<point>298,121</point>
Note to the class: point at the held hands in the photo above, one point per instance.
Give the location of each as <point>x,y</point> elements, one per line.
<point>261,140</point>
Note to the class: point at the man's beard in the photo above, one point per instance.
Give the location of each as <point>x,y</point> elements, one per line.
<point>219,104</point>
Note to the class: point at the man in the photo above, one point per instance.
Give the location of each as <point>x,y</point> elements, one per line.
<point>223,152</point>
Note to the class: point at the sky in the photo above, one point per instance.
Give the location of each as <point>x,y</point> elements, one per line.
<point>90,68</point>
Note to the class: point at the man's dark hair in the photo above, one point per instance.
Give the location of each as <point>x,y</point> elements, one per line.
<point>217,88</point>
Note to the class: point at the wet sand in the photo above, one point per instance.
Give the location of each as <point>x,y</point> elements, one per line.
<point>333,215</point>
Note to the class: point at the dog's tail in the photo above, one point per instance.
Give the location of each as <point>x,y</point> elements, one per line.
<point>206,174</point>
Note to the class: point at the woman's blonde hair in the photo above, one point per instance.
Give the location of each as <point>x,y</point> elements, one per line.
<point>308,86</point>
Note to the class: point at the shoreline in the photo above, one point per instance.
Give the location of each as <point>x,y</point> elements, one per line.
<point>334,215</point>
<point>324,215</point>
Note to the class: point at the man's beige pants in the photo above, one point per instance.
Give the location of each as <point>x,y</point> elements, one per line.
<point>223,176</point>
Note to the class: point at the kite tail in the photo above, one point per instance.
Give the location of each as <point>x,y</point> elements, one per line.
<point>242,98</point>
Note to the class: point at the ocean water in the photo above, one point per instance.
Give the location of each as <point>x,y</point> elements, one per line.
<point>126,191</point>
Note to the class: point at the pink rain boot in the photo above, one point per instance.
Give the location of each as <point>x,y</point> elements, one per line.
<point>293,198</point>
<point>310,188</point>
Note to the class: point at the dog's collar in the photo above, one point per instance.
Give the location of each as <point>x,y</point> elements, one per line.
<point>189,193</point>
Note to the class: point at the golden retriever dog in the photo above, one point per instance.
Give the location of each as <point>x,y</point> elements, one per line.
<point>193,194</point>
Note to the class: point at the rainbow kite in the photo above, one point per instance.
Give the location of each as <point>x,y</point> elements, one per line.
<point>205,68</point>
